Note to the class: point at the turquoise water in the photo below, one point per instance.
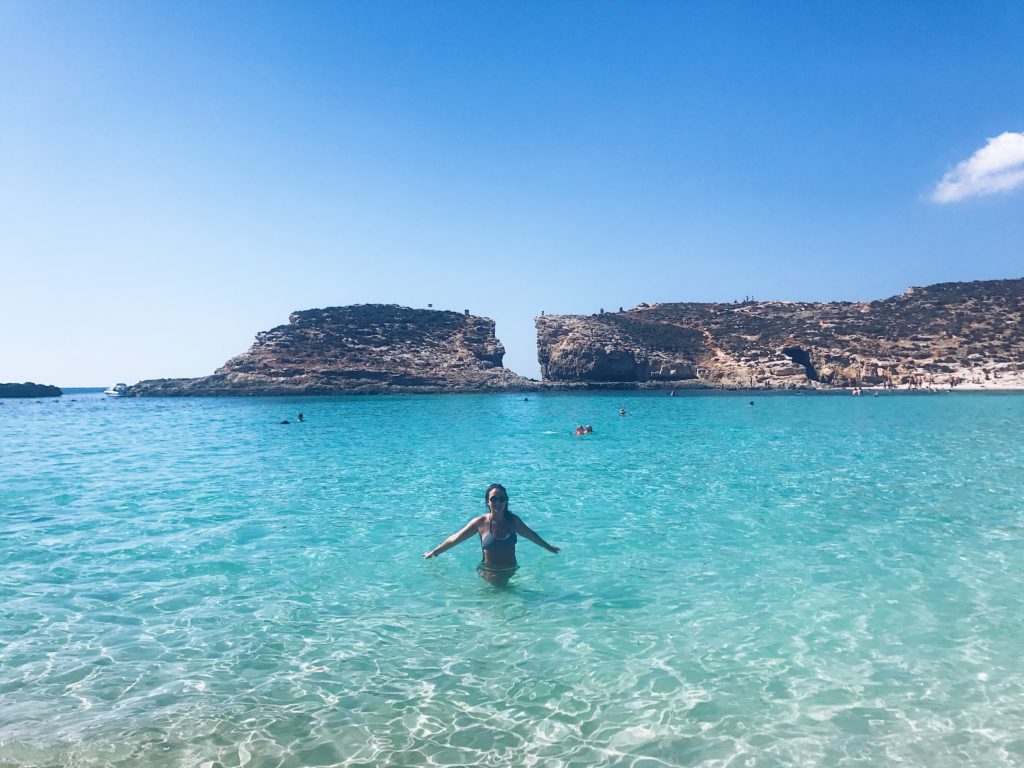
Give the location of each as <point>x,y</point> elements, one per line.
<point>811,580</point>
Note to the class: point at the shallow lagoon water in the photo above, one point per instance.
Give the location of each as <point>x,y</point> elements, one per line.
<point>811,580</point>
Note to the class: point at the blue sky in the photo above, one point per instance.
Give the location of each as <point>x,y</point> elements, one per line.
<point>175,177</point>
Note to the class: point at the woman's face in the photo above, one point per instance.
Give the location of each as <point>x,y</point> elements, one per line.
<point>497,499</point>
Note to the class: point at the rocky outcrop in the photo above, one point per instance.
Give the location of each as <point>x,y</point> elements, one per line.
<point>950,334</point>
<point>941,335</point>
<point>28,389</point>
<point>365,348</point>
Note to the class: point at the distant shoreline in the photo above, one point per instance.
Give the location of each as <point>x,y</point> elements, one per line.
<point>688,388</point>
<point>29,389</point>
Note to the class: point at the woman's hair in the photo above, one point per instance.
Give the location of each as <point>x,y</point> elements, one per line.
<point>495,487</point>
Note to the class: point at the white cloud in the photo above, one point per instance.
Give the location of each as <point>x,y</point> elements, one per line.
<point>996,167</point>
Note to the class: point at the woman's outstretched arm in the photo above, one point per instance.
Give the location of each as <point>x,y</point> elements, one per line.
<point>456,538</point>
<point>528,533</point>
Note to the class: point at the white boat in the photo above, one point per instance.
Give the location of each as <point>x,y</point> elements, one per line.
<point>118,390</point>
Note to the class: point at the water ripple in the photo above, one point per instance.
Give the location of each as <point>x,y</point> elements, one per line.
<point>815,581</point>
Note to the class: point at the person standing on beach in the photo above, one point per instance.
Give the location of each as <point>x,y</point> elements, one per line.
<point>498,531</point>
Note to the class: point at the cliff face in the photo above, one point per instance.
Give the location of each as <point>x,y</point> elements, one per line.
<point>940,335</point>
<point>367,348</point>
<point>948,334</point>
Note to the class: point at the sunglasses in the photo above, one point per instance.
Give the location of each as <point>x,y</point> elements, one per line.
<point>496,499</point>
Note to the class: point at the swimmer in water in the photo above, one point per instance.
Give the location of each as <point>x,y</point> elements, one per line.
<point>498,530</point>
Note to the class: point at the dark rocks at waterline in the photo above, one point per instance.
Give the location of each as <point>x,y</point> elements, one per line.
<point>28,389</point>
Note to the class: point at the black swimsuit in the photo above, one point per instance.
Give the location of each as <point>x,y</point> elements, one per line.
<point>489,542</point>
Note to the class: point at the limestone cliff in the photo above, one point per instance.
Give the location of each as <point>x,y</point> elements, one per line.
<point>365,348</point>
<point>941,335</point>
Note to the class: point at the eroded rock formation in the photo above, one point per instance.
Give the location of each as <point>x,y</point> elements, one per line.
<point>365,348</point>
<point>941,335</point>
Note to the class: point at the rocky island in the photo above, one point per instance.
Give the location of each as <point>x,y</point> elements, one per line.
<point>360,349</point>
<point>28,389</point>
<point>946,335</point>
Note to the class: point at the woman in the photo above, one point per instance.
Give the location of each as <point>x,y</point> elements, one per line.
<point>498,531</point>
